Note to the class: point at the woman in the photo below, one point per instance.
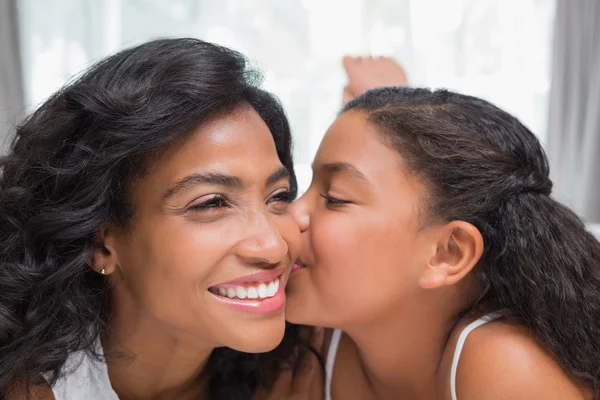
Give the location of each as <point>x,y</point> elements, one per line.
<point>144,228</point>
<point>431,244</point>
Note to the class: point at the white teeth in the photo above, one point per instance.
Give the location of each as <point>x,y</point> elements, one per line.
<point>257,291</point>
<point>241,292</point>
<point>262,291</point>
<point>252,293</point>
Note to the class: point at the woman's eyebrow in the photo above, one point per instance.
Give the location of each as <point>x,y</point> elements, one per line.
<point>219,179</point>
<point>211,178</point>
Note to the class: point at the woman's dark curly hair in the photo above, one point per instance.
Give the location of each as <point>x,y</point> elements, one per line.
<point>481,165</point>
<point>68,173</point>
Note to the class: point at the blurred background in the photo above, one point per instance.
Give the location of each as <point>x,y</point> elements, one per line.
<point>538,59</point>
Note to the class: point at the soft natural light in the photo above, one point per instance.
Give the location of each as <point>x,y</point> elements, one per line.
<point>495,49</point>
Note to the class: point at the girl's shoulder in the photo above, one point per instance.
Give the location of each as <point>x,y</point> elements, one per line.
<point>503,360</point>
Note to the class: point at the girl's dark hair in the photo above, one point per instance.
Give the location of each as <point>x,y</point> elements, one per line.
<point>68,173</point>
<point>481,165</point>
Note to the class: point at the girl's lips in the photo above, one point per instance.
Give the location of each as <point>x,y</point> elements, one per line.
<point>298,265</point>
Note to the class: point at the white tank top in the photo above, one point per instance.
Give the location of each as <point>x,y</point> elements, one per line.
<point>337,334</point>
<point>84,377</point>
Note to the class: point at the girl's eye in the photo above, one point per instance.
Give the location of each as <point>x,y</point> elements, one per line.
<point>213,204</point>
<point>332,201</point>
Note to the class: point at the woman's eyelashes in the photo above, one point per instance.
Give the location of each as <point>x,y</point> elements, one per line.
<point>215,203</point>
<point>282,195</point>
<point>279,200</point>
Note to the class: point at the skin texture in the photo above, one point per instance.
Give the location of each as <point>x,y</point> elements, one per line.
<point>369,223</point>
<point>378,268</point>
<point>163,263</point>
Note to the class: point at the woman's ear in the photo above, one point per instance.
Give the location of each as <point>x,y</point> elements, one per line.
<point>104,258</point>
<point>459,248</point>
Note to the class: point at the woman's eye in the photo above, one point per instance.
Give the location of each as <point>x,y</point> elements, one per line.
<point>332,201</point>
<point>212,204</point>
<point>283,196</point>
<point>280,201</point>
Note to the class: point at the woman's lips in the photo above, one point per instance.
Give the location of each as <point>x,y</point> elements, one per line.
<point>261,293</point>
<point>261,299</point>
<point>263,276</point>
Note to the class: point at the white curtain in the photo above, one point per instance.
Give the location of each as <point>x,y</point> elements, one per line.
<point>495,49</point>
<point>574,130</point>
<point>11,89</point>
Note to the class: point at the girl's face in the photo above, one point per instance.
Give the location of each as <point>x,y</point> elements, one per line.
<point>210,246</point>
<point>363,248</point>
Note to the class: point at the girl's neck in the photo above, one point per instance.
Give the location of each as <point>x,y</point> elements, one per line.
<point>404,354</point>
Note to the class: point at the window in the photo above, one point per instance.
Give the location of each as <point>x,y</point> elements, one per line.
<point>495,49</point>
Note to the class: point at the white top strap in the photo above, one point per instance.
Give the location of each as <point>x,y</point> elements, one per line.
<point>461,342</point>
<point>330,361</point>
<point>84,378</point>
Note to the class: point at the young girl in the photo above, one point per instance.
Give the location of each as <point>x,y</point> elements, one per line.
<point>432,245</point>
<point>144,229</point>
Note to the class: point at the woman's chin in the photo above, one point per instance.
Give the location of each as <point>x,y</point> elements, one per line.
<point>260,338</point>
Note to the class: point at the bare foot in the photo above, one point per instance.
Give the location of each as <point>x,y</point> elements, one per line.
<point>365,73</point>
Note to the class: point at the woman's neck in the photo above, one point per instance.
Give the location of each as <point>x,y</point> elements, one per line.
<point>148,361</point>
<point>403,355</point>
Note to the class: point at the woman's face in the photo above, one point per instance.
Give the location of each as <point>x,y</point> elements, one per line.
<point>211,244</point>
<point>362,245</point>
